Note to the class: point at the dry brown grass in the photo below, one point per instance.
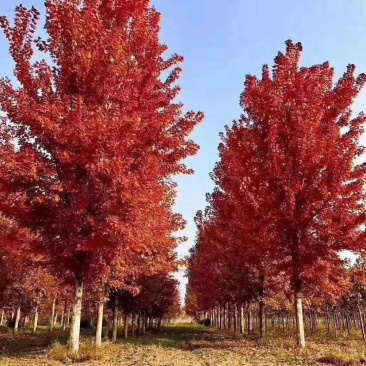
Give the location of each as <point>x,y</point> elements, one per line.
<point>184,346</point>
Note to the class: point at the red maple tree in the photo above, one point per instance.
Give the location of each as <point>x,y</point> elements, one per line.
<point>289,196</point>
<point>96,129</point>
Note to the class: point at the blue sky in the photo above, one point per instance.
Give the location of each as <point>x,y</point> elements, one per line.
<point>224,41</point>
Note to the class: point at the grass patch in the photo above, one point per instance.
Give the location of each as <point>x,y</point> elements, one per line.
<point>182,345</point>
<point>88,352</point>
<point>338,360</point>
<point>345,356</point>
<point>58,353</point>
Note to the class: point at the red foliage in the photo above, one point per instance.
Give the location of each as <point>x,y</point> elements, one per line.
<point>98,137</point>
<point>289,196</point>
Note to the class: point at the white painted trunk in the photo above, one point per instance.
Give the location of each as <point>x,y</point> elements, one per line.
<point>64,314</point>
<point>98,333</point>
<point>76,317</point>
<point>2,317</point>
<point>35,322</point>
<point>17,319</point>
<point>62,318</point>
<point>299,320</point>
<point>52,323</point>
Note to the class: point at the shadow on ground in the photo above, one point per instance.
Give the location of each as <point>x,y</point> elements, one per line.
<point>187,337</point>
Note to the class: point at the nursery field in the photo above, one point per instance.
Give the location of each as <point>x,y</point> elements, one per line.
<point>180,345</point>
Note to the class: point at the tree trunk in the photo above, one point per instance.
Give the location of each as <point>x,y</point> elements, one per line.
<point>241,319</point>
<point>52,323</point>
<point>250,320</point>
<point>2,317</point>
<point>315,320</point>
<point>125,321</point>
<point>98,332</point>
<point>224,322</point>
<point>35,322</point>
<point>160,322</point>
<point>68,315</point>
<point>362,325</point>
<point>139,323</point>
<point>220,317</point>
<point>143,330</point>
<point>133,318</point>
<point>17,319</point>
<point>297,283</point>
<point>262,315</point>
<point>64,316</point>
<point>115,319</point>
<point>235,317</point>
<point>229,317</point>
<point>76,317</point>
<point>335,324</point>
<point>327,318</point>
<point>348,323</point>
<point>299,316</point>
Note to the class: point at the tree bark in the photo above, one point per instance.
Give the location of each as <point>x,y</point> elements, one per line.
<point>35,322</point>
<point>235,317</point>
<point>76,317</point>
<point>125,321</point>
<point>115,319</point>
<point>348,324</point>
<point>229,317</point>
<point>299,317</point>
<point>133,325</point>
<point>220,317</point>
<point>139,323</point>
<point>262,315</point>
<point>52,320</point>
<point>2,317</point>
<point>250,320</point>
<point>17,319</point>
<point>64,316</point>
<point>143,330</point>
<point>297,283</point>
<point>362,325</point>
<point>241,319</point>
<point>224,318</point>
<point>160,322</point>
<point>68,315</point>
<point>99,330</point>
<point>335,324</point>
